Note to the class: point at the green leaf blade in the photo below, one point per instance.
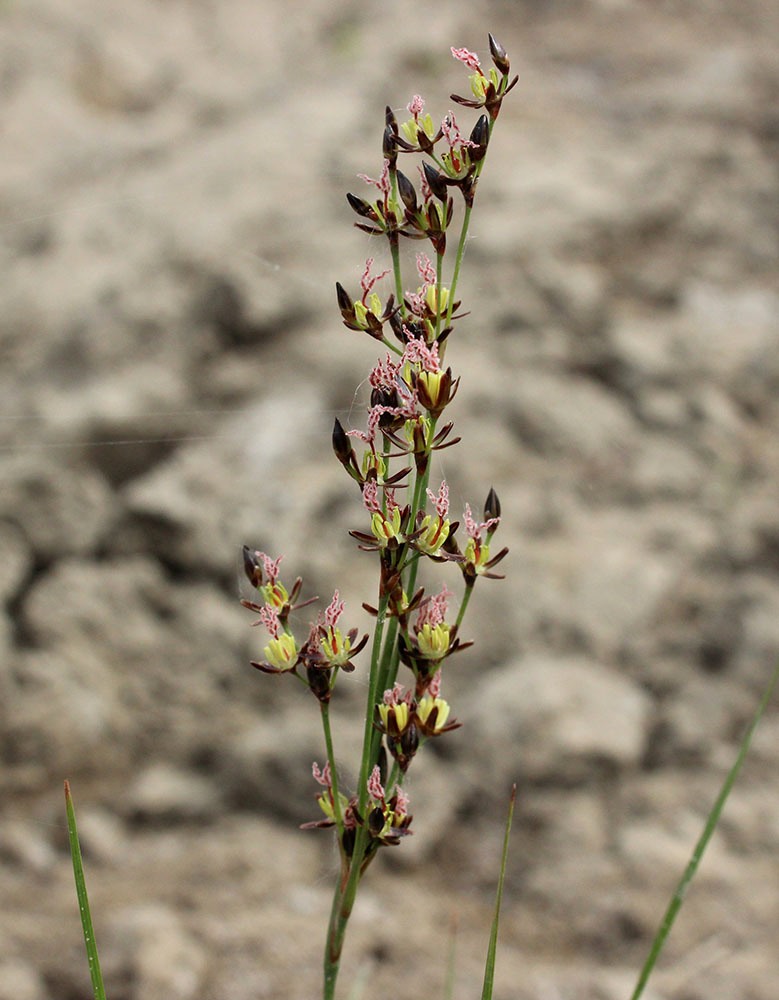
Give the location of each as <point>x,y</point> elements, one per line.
<point>98,989</point>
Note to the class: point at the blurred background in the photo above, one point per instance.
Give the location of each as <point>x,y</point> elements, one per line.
<point>172,223</point>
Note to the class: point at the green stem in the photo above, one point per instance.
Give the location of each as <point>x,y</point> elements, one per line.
<point>463,607</point>
<point>339,822</point>
<point>711,824</point>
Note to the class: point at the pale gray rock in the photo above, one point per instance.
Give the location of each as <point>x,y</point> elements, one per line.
<point>20,980</point>
<point>572,417</point>
<point>16,561</point>
<point>162,958</point>
<point>60,510</point>
<point>25,843</point>
<point>164,794</point>
<point>545,719</point>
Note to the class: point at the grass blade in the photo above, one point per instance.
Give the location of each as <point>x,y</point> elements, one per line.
<point>711,824</point>
<point>83,901</point>
<point>489,968</point>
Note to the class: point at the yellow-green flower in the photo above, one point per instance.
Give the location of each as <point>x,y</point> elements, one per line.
<point>433,641</point>
<point>282,652</point>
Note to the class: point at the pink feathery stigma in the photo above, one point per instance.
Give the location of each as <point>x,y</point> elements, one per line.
<point>418,352</point>
<point>334,610</point>
<point>441,602</point>
<point>440,500</point>
<point>392,503</point>
<point>361,436</point>
<point>401,803</point>
<point>384,374</point>
<point>434,687</point>
<point>452,133</point>
<point>416,106</point>
<point>314,641</point>
<point>383,182</point>
<point>425,269</point>
<point>370,496</point>
<point>474,529</point>
<point>375,787</point>
<point>470,59</point>
<point>374,418</point>
<point>367,281</point>
<point>397,695</point>
<point>433,611</point>
<point>270,619</point>
<point>270,567</point>
<point>323,777</point>
<point>416,303</point>
<point>392,695</point>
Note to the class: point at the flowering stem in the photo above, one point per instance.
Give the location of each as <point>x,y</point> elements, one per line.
<point>373,695</point>
<point>343,901</point>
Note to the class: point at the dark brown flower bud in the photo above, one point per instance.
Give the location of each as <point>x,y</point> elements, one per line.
<point>361,207</point>
<point>319,682</point>
<point>480,135</point>
<point>348,839</point>
<point>341,445</point>
<point>376,821</point>
<point>409,741</point>
<point>388,147</point>
<point>407,193</point>
<point>435,180</point>
<point>251,567</point>
<point>345,303</point>
<point>491,505</point>
<point>390,121</point>
<point>499,56</point>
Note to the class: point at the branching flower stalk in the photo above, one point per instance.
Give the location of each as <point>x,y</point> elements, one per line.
<point>408,522</point>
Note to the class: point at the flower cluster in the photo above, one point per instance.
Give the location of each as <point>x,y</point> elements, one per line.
<point>407,527</point>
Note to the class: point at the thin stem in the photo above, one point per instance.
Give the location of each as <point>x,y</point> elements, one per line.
<point>343,901</point>
<point>339,822</point>
<point>463,607</point>
<point>373,693</point>
<point>458,261</point>
<point>711,824</point>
